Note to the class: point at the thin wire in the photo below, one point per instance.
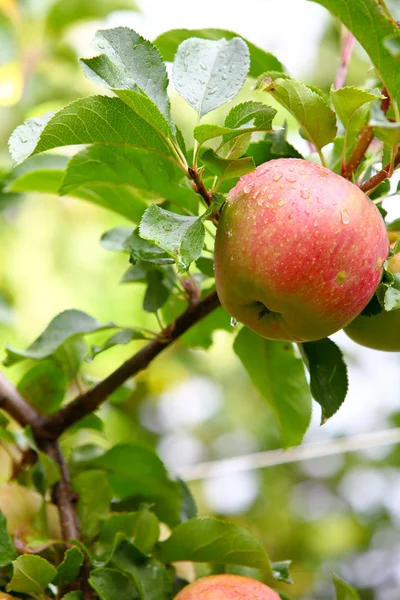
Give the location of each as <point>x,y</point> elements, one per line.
<point>272,458</point>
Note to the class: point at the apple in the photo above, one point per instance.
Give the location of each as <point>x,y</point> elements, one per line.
<point>227,587</point>
<point>381,331</point>
<point>299,251</point>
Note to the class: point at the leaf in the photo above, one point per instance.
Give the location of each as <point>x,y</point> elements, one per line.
<point>141,527</point>
<point>112,584</point>
<point>310,109</point>
<point>146,252</point>
<point>148,481</point>
<point>151,577</point>
<point>73,596</point>
<point>344,591</point>
<point>280,571</point>
<point>157,292</point>
<point>328,375</point>
<point>225,168</point>
<point>370,24</point>
<point>63,14</point>
<point>66,325</point>
<point>114,239</point>
<point>69,569</point>
<point>121,338</point>
<point>38,173</point>
<point>209,73</point>
<point>205,132</point>
<point>274,145</point>
<point>279,377</point>
<point>352,106</point>
<point>129,62</point>
<point>149,174</point>
<point>31,575</point>
<point>181,237</point>
<point>212,540</point>
<point>7,550</point>
<point>95,495</point>
<point>44,386</point>
<point>260,61</point>
<point>96,119</point>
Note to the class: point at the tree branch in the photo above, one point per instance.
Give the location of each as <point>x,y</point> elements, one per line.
<point>347,45</point>
<point>64,495</point>
<point>385,173</point>
<point>54,425</point>
<point>16,406</point>
<point>365,138</point>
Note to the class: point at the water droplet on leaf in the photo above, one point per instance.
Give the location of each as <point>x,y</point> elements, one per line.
<point>234,322</point>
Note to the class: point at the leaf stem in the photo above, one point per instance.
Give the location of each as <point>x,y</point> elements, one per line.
<point>364,140</point>
<point>383,174</point>
<point>347,45</point>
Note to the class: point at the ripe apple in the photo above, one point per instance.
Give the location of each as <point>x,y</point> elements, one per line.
<point>299,251</point>
<point>381,331</point>
<point>227,587</point>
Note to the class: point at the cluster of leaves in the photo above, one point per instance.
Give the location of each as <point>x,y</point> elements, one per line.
<point>135,163</point>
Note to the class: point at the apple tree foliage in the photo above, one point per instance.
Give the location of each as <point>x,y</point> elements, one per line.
<point>132,159</point>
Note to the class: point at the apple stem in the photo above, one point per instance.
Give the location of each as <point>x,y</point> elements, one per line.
<point>383,174</point>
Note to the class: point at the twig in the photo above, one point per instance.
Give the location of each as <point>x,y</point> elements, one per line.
<point>386,172</point>
<point>365,138</point>
<point>54,425</point>
<point>347,45</point>
<point>64,495</point>
<point>198,185</point>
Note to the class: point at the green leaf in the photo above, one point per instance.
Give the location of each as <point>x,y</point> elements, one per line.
<point>69,569</point>
<point>31,575</point>
<point>129,62</point>
<point>279,377</point>
<point>225,168</point>
<point>114,239</point>
<point>95,495</point>
<point>140,527</point>
<point>344,591</point>
<point>309,108</point>
<point>63,14</point>
<point>181,237</point>
<point>209,73</point>
<point>148,481</point>
<point>274,145</point>
<point>152,176</point>
<point>352,106</point>
<point>371,25</point>
<point>157,292</point>
<point>280,571</point>
<point>151,577</point>
<point>66,325</point>
<point>260,61</point>
<point>328,375</point>
<point>7,550</point>
<point>106,121</point>
<point>215,541</point>
<point>121,338</point>
<point>112,584</point>
<point>205,132</point>
<point>38,173</point>
<point>73,596</point>
<point>44,386</point>
<point>140,250</point>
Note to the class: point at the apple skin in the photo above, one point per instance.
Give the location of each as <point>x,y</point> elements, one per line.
<point>382,331</point>
<point>227,587</point>
<point>299,251</point>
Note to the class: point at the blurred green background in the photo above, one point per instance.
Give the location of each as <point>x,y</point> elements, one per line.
<point>340,513</point>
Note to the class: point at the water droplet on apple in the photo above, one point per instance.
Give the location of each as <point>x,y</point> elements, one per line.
<point>277,176</point>
<point>316,233</point>
<point>334,202</point>
<point>291,169</point>
<point>291,178</point>
<point>315,224</point>
<point>281,202</point>
<point>290,217</point>
<point>345,216</point>
<point>305,194</point>
<point>307,211</point>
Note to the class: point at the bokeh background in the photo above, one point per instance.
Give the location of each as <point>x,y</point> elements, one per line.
<point>338,513</point>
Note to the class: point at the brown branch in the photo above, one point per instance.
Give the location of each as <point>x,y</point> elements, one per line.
<point>364,140</point>
<point>54,425</point>
<point>198,185</point>
<point>64,496</point>
<point>347,45</point>
<point>385,173</point>
<point>16,406</point>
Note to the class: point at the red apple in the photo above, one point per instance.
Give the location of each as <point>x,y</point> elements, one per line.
<point>299,251</point>
<point>227,587</point>
<point>382,331</point>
